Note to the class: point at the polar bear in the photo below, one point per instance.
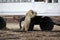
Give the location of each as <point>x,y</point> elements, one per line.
<point>30,14</point>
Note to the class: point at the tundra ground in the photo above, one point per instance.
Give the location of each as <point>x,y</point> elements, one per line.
<point>15,34</point>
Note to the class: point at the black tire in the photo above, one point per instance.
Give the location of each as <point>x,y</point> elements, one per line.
<point>20,23</point>
<point>2,23</point>
<point>46,24</point>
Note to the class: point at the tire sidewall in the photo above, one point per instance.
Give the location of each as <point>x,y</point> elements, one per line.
<point>46,24</point>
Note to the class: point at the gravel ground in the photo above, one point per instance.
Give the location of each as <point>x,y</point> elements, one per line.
<point>29,35</point>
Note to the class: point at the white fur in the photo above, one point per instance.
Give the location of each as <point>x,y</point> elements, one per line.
<point>27,20</point>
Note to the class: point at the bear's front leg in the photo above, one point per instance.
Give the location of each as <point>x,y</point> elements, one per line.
<point>23,28</point>
<point>26,28</point>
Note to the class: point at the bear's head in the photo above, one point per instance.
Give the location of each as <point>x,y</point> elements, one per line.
<point>31,13</point>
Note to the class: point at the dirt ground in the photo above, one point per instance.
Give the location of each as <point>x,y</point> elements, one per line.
<point>15,34</point>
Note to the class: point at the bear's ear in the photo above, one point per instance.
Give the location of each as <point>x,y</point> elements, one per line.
<point>30,11</point>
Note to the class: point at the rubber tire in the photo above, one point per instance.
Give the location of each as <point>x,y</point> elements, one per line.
<point>46,24</point>
<point>2,23</point>
<point>22,19</point>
